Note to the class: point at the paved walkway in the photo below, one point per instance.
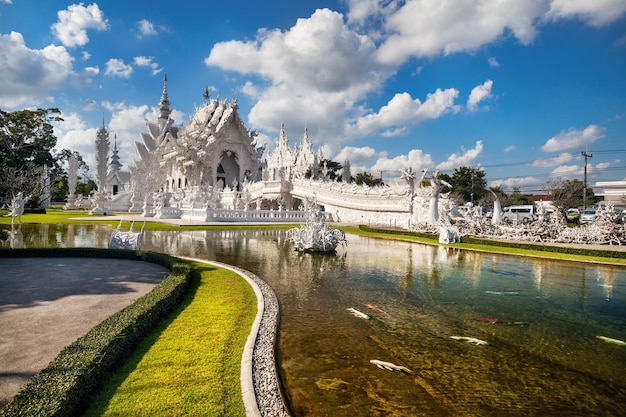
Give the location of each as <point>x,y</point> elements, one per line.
<point>47,303</point>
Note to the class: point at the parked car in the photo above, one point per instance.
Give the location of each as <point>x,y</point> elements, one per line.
<point>588,216</point>
<point>519,214</point>
<point>573,215</point>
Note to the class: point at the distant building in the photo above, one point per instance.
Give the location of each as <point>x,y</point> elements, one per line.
<point>613,191</point>
<point>117,180</point>
<point>543,200</point>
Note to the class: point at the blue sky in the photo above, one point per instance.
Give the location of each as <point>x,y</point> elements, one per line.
<point>517,87</point>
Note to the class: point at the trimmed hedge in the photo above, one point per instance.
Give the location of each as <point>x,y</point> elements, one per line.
<point>570,250</point>
<point>424,235</point>
<point>65,387</point>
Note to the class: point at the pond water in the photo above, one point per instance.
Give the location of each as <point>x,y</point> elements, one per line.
<point>543,357</point>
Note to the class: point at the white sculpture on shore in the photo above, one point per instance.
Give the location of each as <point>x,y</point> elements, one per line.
<point>433,207</point>
<point>72,180</point>
<point>315,235</point>
<point>100,197</point>
<point>17,208</point>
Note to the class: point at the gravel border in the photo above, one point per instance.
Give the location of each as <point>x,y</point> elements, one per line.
<point>261,392</point>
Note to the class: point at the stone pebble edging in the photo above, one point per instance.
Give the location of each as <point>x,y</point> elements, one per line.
<point>259,380</point>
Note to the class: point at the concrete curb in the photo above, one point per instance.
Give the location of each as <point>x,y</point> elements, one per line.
<point>258,377</point>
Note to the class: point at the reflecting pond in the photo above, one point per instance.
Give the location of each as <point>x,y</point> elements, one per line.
<point>543,356</point>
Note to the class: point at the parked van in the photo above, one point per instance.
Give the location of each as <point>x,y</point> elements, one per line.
<point>519,214</point>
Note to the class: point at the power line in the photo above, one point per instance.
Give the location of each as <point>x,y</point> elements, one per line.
<point>532,161</point>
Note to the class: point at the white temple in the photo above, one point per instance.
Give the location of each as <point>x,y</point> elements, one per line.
<point>211,169</point>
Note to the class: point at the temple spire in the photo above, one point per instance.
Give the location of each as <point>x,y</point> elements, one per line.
<point>164,104</point>
<point>115,165</point>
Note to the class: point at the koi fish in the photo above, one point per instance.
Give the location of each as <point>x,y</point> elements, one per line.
<point>373,307</point>
<point>358,314</point>
<point>502,292</point>
<point>390,366</point>
<point>473,340</point>
<point>486,320</point>
<point>614,341</point>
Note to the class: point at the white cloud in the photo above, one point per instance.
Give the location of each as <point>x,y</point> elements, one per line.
<point>513,182</point>
<point>89,105</point>
<point>73,134</point>
<point>478,94</point>
<point>361,12</point>
<point>430,28</point>
<point>146,28</point>
<point>550,162</point>
<point>466,158</point>
<point>86,55</point>
<point>369,160</point>
<point>28,75</point>
<point>596,13</point>
<point>509,149</point>
<point>565,171</point>
<point>250,90</point>
<point>147,61</point>
<point>73,22</point>
<point>573,139</point>
<point>392,167</point>
<point>117,68</point>
<point>493,62</point>
<point>85,76</point>
<point>403,109</point>
<point>314,72</point>
<point>361,159</point>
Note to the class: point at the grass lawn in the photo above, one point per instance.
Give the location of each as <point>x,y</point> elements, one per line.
<point>190,364</point>
<point>495,248</point>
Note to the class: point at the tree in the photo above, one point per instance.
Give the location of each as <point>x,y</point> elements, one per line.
<point>468,184</point>
<point>333,168</point>
<point>26,141</point>
<point>568,194</point>
<point>367,179</point>
<point>516,198</point>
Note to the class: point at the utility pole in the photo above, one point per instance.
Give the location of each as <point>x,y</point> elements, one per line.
<point>472,190</point>
<point>586,155</point>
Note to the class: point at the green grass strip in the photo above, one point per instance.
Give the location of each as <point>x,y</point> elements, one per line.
<point>190,364</point>
<point>546,251</point>
<point>53,216</point>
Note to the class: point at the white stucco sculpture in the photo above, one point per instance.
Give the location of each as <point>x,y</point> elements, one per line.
<point>72,180</point>
<point>315,235</point>
<point>130,240</point>
<point>100,197</point>
<point>433,207</point>
<point>496,216</point>
<point>17,208</point>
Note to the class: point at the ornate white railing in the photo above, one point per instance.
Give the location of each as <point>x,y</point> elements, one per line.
<point>208,214</point>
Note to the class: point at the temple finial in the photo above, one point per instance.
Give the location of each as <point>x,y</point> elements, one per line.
<point>164,104</point>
